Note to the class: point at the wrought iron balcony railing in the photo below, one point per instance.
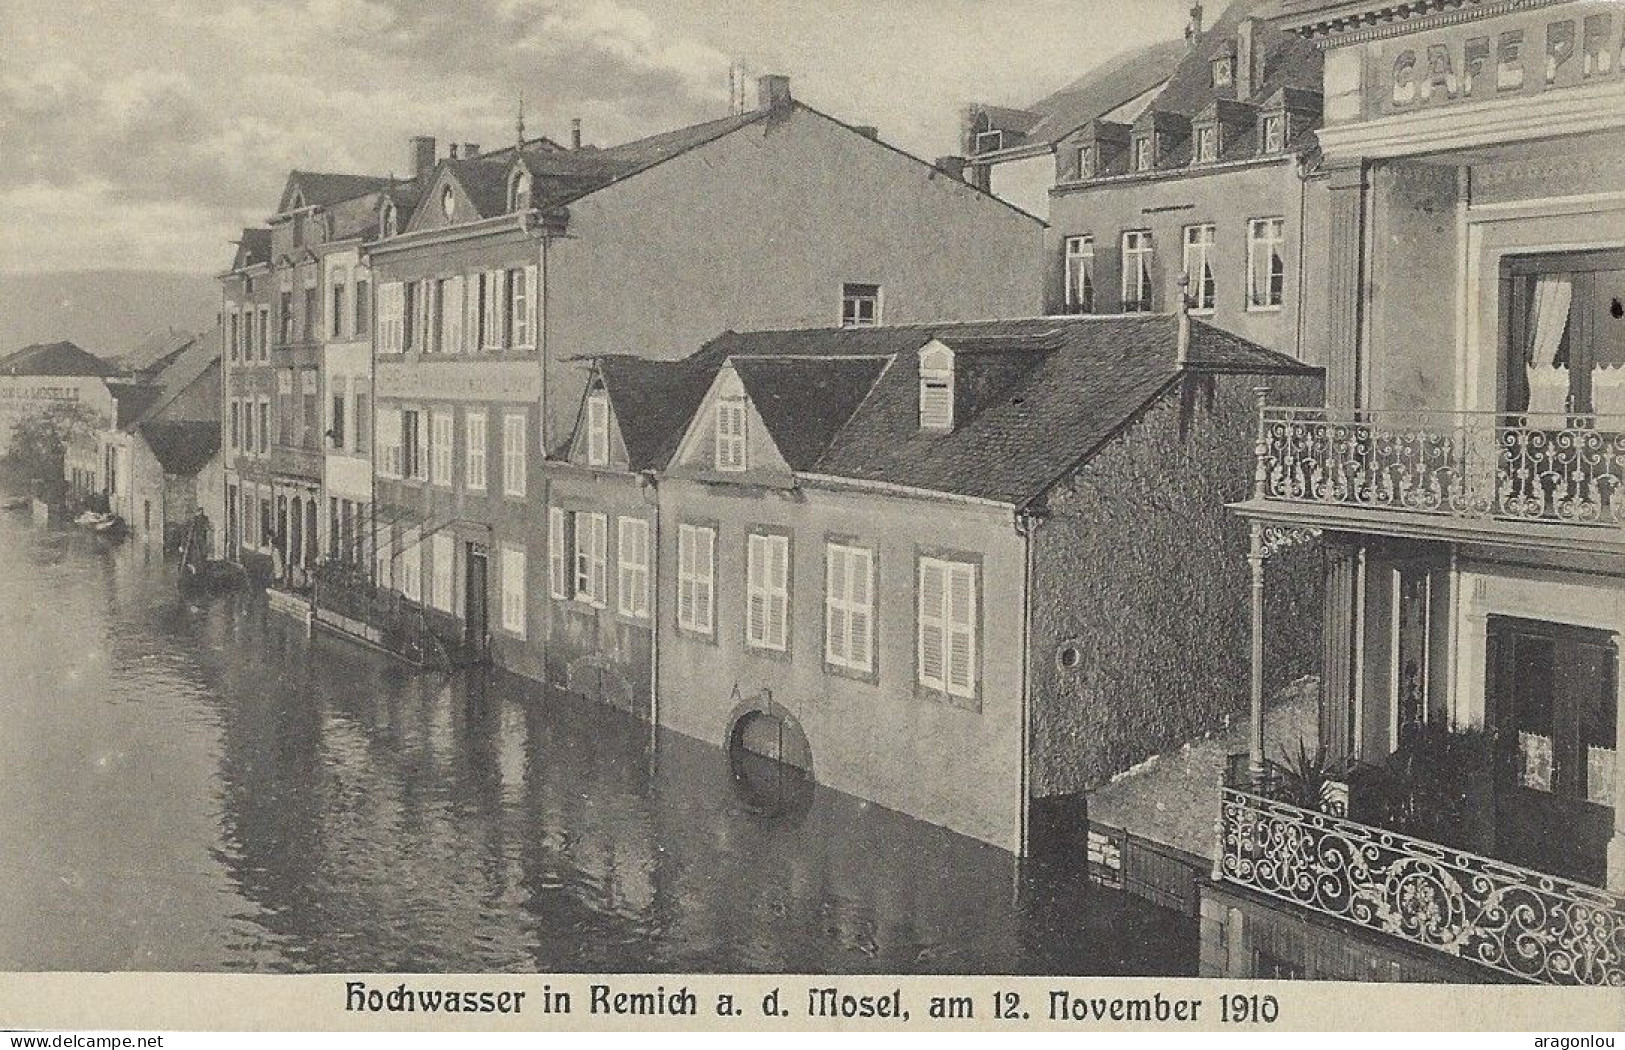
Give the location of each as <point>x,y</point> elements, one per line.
<point>1475,465</point>
<point>1520,922</point>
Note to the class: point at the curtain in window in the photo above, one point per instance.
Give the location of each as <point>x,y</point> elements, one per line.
<point>1548,322</point>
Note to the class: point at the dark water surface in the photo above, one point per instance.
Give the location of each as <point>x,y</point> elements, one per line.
<point>195,785</point>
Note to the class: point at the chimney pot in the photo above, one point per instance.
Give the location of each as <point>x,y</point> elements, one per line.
<point>772,91</point>
<point>454,151</point>
<point>953,165</point>
<point>575,132</point>
<point>1193,29</point>
<point>471,149</point>
<point>420,156</point>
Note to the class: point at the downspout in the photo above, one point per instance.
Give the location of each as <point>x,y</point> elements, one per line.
<point>1026,525</point>
<point>651,486</point>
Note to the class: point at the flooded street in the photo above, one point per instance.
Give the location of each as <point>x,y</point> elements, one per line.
<point>195,785</point>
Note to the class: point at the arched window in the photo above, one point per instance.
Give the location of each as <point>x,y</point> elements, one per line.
<point>519,190</point>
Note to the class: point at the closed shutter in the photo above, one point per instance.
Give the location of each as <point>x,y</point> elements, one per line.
<point>685,576</point>
<point>472,288</point>
<point>932,585</point>
<point>599,554</point>
<point>756,589</point>
<point>533,309</point>
<point>452,310</point>
<point>704,571</point>
<point>857,588</point>
<point>961,609</point>
<point>493,310</point>
<point>558,567</point>
<point>836,571</point>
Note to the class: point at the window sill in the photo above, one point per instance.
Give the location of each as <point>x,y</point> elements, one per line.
<point>851,674</point>
<point>1265,309</point>
<point>943,698</point>
<point>697,635</point>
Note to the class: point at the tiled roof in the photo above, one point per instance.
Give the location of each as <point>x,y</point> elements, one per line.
<point>1074,383</point>
<point>1285,61</point>
<point>182,447</point>
<point>54,359</point>
<point>1104,88</point>
<point>321,188</point>
<point>805,402</point>
<point>253,248</point>
<point>184,369</point>
<point>653,401</point>
<point>133,400</point>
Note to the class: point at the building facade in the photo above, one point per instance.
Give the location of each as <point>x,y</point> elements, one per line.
<point>879,556</point>
<point>248,386</point>
<point>520,264</point>
<point>1200,182</point>
<point>1466,480</point>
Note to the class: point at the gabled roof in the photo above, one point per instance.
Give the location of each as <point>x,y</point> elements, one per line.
<point>1071,384</point>
<point>1285,61</point>
<point>132,401</point>
<point>320,188</point>
<point>253,248</point>
<point>1104,88</point>
<point>182,447</point>
<point>653,401</point>
<point>54,359</point>
<point>154,352</point>
<point>804,402</point>
<point>186,368</point>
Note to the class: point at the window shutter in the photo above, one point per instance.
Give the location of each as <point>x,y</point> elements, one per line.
<point>452,310</point>
<point>961,676</point>
<point>835,642</point>
<point>858,595</point>
<point>533,309</point>
<point>931,625</point>
<point>600,557</point>
<point>757,615</point>
<point>493,310</point>
<point>556,566</point>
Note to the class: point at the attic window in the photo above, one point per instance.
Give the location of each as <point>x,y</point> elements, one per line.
<point>1144,153</point>
<point>936,388</point>
<point>388,222</point>
<point>519,191</point>
<point>860,305</point>
<point>730,455</point>
<point>448,203</point>
<point>1207,144</point>
<point>598,428</point>
<point>1224,71</point>
<point>989,141</point>
<point>1273,134</point>
<point>1086,162</point>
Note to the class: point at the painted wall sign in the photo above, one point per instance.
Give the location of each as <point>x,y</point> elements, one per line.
<point>1547,49</point>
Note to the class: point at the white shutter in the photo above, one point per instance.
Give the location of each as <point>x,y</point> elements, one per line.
<point>557,560</point>
<point>600,559</point>
<point>493,309</point>
<point>471,312</point>
<point>685,576</point>
<point>756,589</point>
<point>961,612</point>
<point>704,558</point>
<point>857,589</point>
<point>931,654</point>
<point>452,309</point>
<point>835,576</point>
<point>533,309</point>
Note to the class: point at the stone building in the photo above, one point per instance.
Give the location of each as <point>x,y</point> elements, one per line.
<point>45,374</point>
<point>1200,180</point>
<point>520,264</point>
<point>924,563</point>
<point>1467,478</point>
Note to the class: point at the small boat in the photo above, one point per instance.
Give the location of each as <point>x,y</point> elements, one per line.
<point>19,503</point>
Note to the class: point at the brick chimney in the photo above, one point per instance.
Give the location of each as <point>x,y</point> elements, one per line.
<point>575,132</point>
<point>420,155</point>
<point>471,149</point>
<point>1193,28</point>
<point>953,165</point>
<point>1246,58</point>
<point>772,91</point>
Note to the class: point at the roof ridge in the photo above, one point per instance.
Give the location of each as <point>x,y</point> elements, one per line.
<point>874,384</point>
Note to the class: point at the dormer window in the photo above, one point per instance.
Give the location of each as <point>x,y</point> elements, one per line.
<point>989,141</point>
<point>389,222</point>
<point>598,428</point>
<point>1273,133</point>
<point>936,387</point>
<point>1086,162</point>
<point>1224,71</point>
<point>1144,152</point>
<point>519,191</point>
<point>448,203</point>
<point>730,454</point>
<point>1207,144</point>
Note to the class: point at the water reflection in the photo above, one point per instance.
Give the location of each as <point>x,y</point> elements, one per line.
<point>200,786</point>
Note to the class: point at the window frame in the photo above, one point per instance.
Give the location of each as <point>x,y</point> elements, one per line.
<point>774,594</point>
<point>1203,286</point>
<point>690,577</point>
<point>597,443</point>
<point>475,453</point>
<point>847,608</point>
<point>1143,255</point>
<point>853,299</point>
<point>944,687</point>
<point>590,558</point>
<point>442,446</point>
<point>515,458</point>
<point>632,575</point>
<point>730,453</point>
<point>1083,262</point>
<point>1275,298</point>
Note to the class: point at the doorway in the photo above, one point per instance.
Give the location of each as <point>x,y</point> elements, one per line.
<point>1553,697</point>
<point>474,598</point>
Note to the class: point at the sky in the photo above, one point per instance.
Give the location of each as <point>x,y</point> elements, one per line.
<point>146,135</point>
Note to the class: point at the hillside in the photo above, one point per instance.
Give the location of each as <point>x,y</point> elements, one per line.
<point>107,312</point>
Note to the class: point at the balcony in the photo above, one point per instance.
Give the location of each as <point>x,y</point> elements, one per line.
<point>1513,920</point>
<point>1550,481</point>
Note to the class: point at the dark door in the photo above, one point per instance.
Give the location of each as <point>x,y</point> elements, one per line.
<point>1554,701</point>
<point>474,597</point>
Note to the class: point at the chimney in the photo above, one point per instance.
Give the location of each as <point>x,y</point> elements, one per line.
<point>868,131</point>
<point>1246,32</point>
<point>420,156</point>
<point>1193,28</point>
<point>772,91</point>
<point>952,165</point>
<point>453,154</point>
<point>471,149</point>
<point>575,132</point>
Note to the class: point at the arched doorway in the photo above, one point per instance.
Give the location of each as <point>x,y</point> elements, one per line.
<point>770,760</point>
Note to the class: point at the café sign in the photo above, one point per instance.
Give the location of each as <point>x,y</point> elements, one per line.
<point>1550,48</point>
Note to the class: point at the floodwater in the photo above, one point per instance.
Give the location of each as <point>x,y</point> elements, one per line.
<point>196,785</point>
